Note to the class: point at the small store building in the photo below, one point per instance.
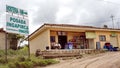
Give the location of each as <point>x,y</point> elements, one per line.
<point>82,37</point>
<point>11,41</point>
<point>2,40</point>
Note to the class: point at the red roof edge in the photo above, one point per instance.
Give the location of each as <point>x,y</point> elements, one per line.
<point>2,30</point>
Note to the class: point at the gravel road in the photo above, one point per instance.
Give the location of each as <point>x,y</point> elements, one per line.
<point>104,60</point>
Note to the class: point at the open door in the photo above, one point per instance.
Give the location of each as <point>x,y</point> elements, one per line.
<point>62,40</point>
<point>113,41</point>
<point>91,43</point>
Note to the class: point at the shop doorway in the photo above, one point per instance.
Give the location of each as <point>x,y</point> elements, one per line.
<point>91,43</point>
<point>113,41</point>
<point>62,40</point>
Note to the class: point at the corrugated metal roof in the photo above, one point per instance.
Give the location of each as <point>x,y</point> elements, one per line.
<point>75,26</point>
<point>79,26</point>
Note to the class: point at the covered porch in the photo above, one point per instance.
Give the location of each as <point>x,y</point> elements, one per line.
<point>78,39</point>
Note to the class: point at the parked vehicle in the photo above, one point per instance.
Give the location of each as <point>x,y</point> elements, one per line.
<point>110,47</point>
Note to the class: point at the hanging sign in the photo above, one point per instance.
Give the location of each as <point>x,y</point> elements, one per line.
<point>16,25</point>
<point>15,20</point>
<point>90,35</point>
<point>14,10</point>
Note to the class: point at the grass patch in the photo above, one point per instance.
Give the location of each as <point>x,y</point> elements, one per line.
<point>19,59</point>
<point>4,66</point>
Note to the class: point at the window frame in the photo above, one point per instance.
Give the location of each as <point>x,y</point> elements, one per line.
<point>102,37</point>
<point>52,38</point>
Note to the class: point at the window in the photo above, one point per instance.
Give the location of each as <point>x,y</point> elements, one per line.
<point>52,38</point>
<point>102,38</point>
<point>61,33</point>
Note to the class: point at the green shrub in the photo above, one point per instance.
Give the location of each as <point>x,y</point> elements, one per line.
<point>23,51</point>
<point>43,62</point>
<point>11,59</point>
<point>11,52</point>
<point>18,59</point>
<point>3,66</point>
<point>50,61</point>
<point>2,53</point>
<point>21,58</point>
<point>24,64</point>
<point>2,61</point>
<point>12,65</point>
<point>17,63</point>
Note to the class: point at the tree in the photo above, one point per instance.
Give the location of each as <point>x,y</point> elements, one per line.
<point>15,39</point>
<point>20,39</point>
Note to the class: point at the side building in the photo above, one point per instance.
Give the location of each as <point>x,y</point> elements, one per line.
<point>11,40</point>
<point>3,40</point>
<point>85,37</point>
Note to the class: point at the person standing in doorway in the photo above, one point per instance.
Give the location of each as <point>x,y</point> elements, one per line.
<point>70,45</point>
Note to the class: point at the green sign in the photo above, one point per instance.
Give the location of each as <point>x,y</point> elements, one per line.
<point>16,25</point>
<point>15,10</point>
<point>90,35</point>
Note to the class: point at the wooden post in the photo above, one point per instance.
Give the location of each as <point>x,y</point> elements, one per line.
<point>28,48</point>
<point>6,46</point>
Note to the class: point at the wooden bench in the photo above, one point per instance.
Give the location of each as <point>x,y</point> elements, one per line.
<point>60,53</point>
<point>56,55</point>
<point>66,53</point>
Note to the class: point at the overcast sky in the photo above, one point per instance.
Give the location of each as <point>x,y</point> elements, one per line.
<point>77,12</point>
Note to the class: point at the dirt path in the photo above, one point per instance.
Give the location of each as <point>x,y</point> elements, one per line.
<point>105,60</point>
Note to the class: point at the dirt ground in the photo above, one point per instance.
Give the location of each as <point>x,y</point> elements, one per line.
<point>104,60</point>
